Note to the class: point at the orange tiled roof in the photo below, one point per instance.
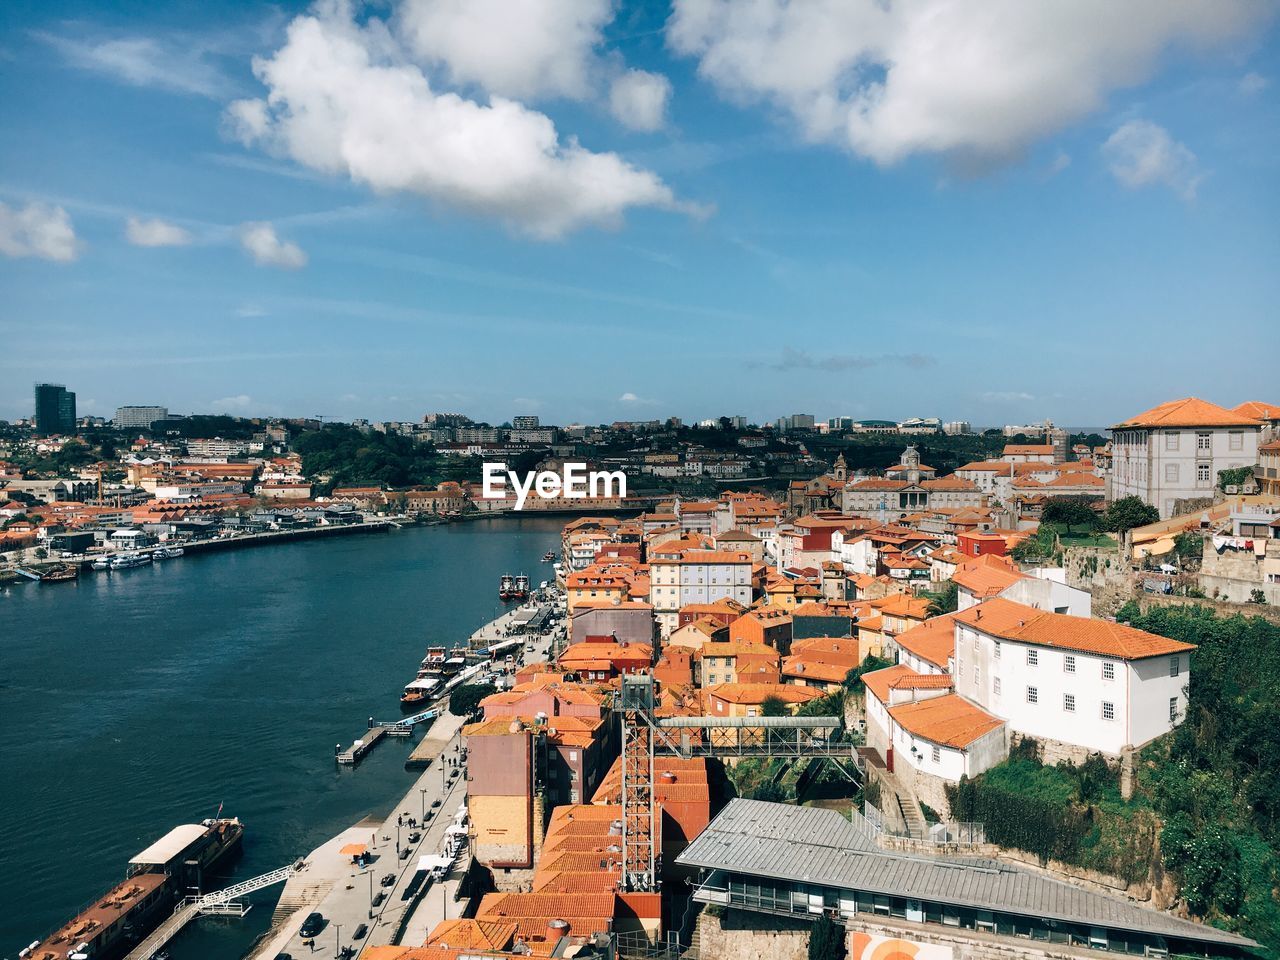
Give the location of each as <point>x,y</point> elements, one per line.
<point>760,692</point>
<point>1258,410</point>
<point>1014,621</point>
<point>949,720</point>
<point>987,575</point>
<point>879,682</point>
<point>934,640</point>
<point>1188,412</point>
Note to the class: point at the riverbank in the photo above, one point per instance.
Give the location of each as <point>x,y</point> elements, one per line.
<point>223,682</point>
<point>432,809</point>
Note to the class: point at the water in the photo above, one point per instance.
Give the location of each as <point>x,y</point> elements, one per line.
<point>133,701</point>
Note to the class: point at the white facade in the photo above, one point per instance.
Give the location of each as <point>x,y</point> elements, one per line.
<point>1161,465</point>
<point>697,577</point>
<point>1097,702</point>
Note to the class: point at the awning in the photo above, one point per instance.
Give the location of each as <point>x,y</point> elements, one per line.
<point>353,850</point>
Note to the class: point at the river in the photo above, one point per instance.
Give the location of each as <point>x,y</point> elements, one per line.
<point>133,701</point>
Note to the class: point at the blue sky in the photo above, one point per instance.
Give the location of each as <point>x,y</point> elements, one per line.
<point>633,211</point>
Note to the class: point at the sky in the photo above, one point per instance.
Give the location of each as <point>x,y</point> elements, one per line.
<point>591,211</point>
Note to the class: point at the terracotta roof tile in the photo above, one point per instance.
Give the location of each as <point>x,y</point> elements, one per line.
<point>1014,621</point>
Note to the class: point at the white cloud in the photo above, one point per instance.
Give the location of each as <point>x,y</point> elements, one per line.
<point>143,62</point>
<point>1252,83</point>
<point>638,99</point>
<point>1141,153</point>
<point>1060,162</point>
<point>342,102</point>
<point>37,230</point>
<point>523,50</point>
<point>237,404</point>
<point>978,81</point>
<point>155,233</point>
<point>633,399</point>
<point>268,250</point>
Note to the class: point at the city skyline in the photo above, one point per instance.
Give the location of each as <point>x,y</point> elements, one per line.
<point>1052,239</point>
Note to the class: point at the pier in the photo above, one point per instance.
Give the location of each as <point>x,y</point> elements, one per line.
<point>221,902</point>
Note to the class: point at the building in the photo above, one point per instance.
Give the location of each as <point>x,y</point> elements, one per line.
<point>957,428</point>
<point>1078,685</point>
<point>697,576</point>
<point>55,409</point>
<point>1267,473</point>
<point>1176,450</point>
<point>138,418</point>
<point>760,861</point>
<point>526,422</point>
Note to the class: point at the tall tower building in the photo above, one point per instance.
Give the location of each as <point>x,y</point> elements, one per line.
<point>55,409</point>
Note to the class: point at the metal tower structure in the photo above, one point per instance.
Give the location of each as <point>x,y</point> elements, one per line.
<point>639,856</point>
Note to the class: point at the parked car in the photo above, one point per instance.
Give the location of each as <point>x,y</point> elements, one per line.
<point>312,925</point>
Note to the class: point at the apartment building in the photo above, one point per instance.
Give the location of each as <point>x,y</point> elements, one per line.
<point>1071,682</point>
<point>1176,450</point>
<point>697,576</point>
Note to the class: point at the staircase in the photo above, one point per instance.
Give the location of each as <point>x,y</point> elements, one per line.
<point>911,816</point>
<point>691,952</point>
<point>298,898</point>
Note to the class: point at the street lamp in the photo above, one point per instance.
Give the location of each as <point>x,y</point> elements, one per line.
<point>337,940</point>
<point>397,839</point>
<point>370,871</point>
<point>423,791</point>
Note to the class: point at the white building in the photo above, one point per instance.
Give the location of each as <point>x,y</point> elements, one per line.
<point>138,418</point>
<point>697,576</point>
<point>1087,684</point>
<point>927,734</point>
<point>1176,450</point>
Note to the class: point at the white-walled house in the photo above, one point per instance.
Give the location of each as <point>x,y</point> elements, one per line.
<point>1088,684</point>
<point>928,735</point>
<point>1176,450</point>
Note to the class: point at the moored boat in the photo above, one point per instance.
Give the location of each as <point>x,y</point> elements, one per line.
<point>62,574</point>
<point>521,589</point>
<point>169,869</point>
<point>549,556</point>
<point>418,693</point>
<point>506,587</point>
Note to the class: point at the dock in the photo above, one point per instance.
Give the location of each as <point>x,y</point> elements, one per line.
<point>434,743</point>
<point>355,753</point>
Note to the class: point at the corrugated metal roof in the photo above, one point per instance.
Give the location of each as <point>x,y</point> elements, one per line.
<point>811,845</point>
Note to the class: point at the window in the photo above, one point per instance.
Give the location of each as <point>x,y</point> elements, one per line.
<point>1236,439</point>
<point>1108,671</point>
<point>1170,473</point>
<point>937,754</point>
<point>1171,441</point>
<point>1175,666</point>
<point>1173,709</point>
<point>1202,441</point>
<point>1069,664</point>
<point>977,674</point>
<point>1033,695</point>
<point>997,649</point>
<point>997,686</point>
<point>1069,702</point>
<point>1202,474</point>
<point>1108,710</point>
<point>1033,658</point>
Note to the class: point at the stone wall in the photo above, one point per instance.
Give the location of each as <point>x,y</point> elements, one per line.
<point>1220,608</point>
<point>1103,573</point>
<point>742,935</point>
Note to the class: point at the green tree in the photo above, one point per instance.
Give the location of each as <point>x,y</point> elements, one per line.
<point>465,699</point>
<point>945,600</point>
<point>774,707</point>
<point>853,679</point>
<point>1236,476</point>
<point>826,940</point>
<point>1070,512</point>
<point>1129,512</point>
<point>770,791</point>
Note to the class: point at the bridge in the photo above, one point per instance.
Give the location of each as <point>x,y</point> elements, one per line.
<point>224,902</point>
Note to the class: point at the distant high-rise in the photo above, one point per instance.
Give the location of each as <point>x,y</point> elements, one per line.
<point>55,409</point>
<point>957,428</point>
<point>139,418</point>
<point>527,422</point>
